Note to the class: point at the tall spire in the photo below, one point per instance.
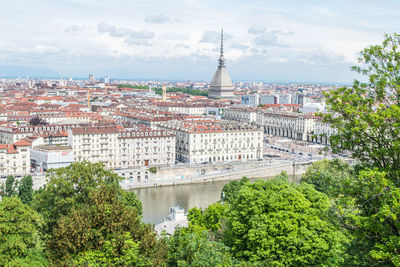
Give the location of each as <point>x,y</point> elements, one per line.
<point>221,59</point>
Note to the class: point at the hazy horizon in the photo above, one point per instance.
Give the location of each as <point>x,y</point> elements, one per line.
<point>179,40</point>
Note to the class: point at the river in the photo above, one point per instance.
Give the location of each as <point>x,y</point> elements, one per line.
<point>156,201</point>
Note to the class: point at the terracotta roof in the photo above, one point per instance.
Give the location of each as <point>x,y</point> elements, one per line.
<point>22,143</point>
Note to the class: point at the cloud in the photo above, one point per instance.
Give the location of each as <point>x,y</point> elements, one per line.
<point>213,37</point>
<point>256,29</point>
<point>239,46</point>
<point>180,45</point>
<point>322,57</point>
<point>75,28</point>
<point>157,18</point>
<point>131,37</point>
<point>269,39</point>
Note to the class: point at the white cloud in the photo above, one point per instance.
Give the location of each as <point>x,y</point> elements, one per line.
<point>256,29</point>
<point>158,18</point>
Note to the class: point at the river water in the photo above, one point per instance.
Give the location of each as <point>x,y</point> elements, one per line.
<point>156,201</point>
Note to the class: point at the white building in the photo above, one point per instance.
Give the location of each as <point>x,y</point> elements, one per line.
<point>15,158</point>
<point>95,144</point>
<point>45,157</point>
<point>199,141</point>
<point>240,114</point>
<point>118,148</point>
<point>146,148</point>
<point>291,125</point>
<point>251,100</point>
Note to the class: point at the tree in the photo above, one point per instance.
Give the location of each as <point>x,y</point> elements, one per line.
<point>193,248</point>
<point>109,254</point>
<point>231,190</point>
<point>10,187</point>
<point>68,187</point>
<point>25,190</point>
<point>367,115</point>
<point>277,223</point>
<point>37,121</point>
<point>329,177</point>
<point>19,235</point>
<point>85,208</point>
<point>367,119</point>
<point>211,218</point>
<point>130,199</point>
<point>102,220</point>
<point>153,170</point>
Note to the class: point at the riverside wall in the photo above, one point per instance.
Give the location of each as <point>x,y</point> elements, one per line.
<point>294,170</point>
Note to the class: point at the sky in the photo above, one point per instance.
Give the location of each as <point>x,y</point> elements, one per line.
<point>266,40</point>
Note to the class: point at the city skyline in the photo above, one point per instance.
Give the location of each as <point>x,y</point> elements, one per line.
<point>268,41</point>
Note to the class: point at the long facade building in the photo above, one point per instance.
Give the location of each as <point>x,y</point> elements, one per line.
<point>305,127</point>
<point>119,148</point>
<point>199,141</point>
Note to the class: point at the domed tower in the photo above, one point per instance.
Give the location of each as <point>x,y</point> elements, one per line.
<point>221,83</point>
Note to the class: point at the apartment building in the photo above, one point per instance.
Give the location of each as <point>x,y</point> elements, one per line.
<point>118,148</point>
<point>52,134</point>
<point>95,144</point>
<point>15,158</point>
<point>241,114</point>
<point>146,148</point>
<point>199,141</point>
<point>291,125</point>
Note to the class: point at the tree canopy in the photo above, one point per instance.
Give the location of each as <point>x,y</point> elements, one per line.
<point>366,117</point>
<point>19,235</point>
<point>283,224</point>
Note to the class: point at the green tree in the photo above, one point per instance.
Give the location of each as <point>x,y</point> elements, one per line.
<point>367,115</point>
<point>68,187</point>
<point>90,209</point>
<point>25,190</point>
<point>193,248</point>
<point>115,252</point>
<point>331,177</point>
<point>367,119</point>
<point>211,218</point>
<point>278,223</point>
<point>19,235</point>
<point>10,188</point>
<point>231,190</point>
<point>130,199</point>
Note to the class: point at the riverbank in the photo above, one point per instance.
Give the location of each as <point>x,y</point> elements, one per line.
<point>293,169</point>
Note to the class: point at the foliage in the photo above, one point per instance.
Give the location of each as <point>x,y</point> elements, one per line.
<point>37,121</point>
<point>68,187</point>
<point>211,218</point>
<point>183,90</point>
<point>193,248</point>
<point>19,236</point>
<point>10,188</point>
<point>329,177</point>
<point>33,258</point>
<point>25,190</point>
<point>367,115</point>
<point>231,190</point>
<point>367,119</point>
<point>115,252</point>
<point>130,199</point>
<point>153,170</point>
<point>282,224</point>
<point>84,208</point>
<point>133,86</point>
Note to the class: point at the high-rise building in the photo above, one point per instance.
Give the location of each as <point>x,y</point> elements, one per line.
<point>221,83</point>
<point>91,78</point>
